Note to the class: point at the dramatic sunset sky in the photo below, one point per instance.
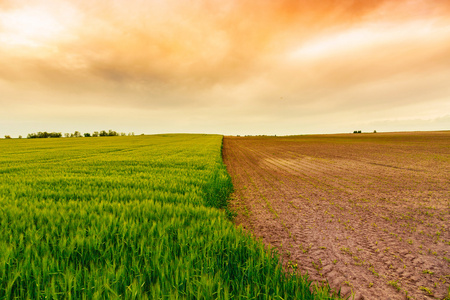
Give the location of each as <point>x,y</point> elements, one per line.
<point>229,67</point>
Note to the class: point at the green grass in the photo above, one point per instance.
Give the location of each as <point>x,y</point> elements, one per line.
<point>129,218</point>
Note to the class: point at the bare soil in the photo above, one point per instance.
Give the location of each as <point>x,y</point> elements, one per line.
<point>369,213</point>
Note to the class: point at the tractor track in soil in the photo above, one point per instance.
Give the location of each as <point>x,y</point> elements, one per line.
<point>367,213</point>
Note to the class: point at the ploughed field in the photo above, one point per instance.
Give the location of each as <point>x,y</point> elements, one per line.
<point>369,213</point>
<point>128,218</point>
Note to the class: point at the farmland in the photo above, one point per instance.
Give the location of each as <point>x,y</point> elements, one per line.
<point>130,218</point>
<point>366,212</point>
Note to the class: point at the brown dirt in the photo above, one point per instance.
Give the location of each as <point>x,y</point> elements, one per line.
<point>369,213</point>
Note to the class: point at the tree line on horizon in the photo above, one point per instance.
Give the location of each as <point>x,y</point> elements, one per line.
<point>76,134</point>
<point>359,131</point>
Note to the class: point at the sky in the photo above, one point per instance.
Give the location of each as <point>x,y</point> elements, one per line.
<point>230,67</point>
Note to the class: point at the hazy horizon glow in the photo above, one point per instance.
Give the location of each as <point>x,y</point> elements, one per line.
<point>234,67</point>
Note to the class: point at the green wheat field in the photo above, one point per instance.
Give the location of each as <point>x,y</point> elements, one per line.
<point>130,218</point>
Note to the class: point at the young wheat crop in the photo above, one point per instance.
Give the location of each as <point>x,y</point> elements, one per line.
<point>128,217</point>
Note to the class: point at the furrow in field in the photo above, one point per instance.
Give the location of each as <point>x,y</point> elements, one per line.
<point>343,219</point>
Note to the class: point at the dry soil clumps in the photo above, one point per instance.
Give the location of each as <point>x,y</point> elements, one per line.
<point>368,213</point>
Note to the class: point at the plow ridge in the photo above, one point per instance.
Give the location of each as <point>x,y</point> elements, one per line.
<point>367,222</point>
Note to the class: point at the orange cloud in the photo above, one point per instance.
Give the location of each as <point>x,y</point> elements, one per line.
<point>241,54</point>
<point>204,42</point>
<point>208,41</point>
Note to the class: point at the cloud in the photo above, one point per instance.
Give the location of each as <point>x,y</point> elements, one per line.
<point>194,44</point>
<point>5,4</point>
<point>208,40</point>
<point>271,60</point>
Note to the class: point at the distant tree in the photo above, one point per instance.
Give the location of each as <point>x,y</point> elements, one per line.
<point>374,131</point>
<point>95,134</point>
<point>77,134</point>
<point>55,134</point>
<point>103,133</point>
<point>359,131</point>
<point>71,135</point>
<point>7,136</point>
<point>123,134</point>
<point>87,135</point>
<point>20,136</point>
<point>66,134</point>
<point>42,135</point>
<point>112,133</point>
